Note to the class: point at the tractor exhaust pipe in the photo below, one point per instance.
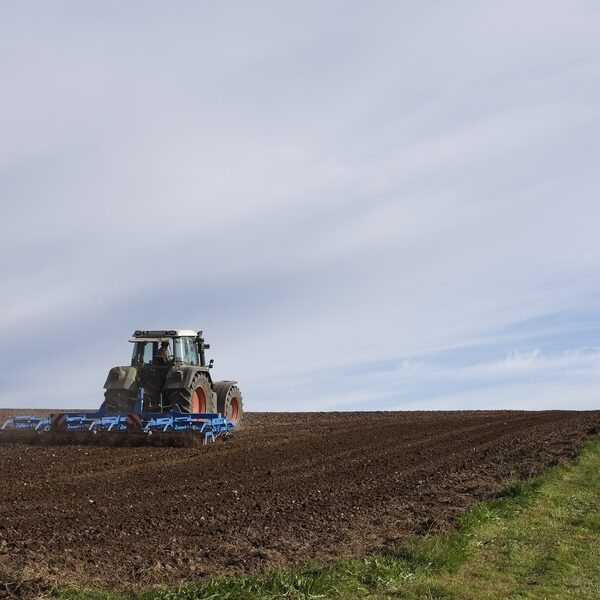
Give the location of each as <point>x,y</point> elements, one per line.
<point>201,347</point>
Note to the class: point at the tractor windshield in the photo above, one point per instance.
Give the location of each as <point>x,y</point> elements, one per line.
<point>182,350</point>
<point>152,353</point>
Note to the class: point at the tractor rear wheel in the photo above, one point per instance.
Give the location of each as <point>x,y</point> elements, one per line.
<point>231,406</point>
<point>118,401</point>
<point>198,398</point>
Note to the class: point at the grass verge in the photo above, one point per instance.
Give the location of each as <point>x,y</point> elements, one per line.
<point>539,540</point>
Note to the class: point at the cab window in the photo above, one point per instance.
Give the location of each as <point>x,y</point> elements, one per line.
<point>143,353</point>
<point>186,350</point>
<point>192,351</point>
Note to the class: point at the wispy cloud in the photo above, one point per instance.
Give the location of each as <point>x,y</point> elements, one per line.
<point>521,379</point>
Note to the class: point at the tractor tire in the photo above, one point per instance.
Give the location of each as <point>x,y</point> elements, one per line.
<point>230,404</point>
<point>198,398</point>
<point>118,401</point>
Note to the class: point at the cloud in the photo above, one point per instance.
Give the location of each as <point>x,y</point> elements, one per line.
<point>320,187</point>
<point>524,379</point>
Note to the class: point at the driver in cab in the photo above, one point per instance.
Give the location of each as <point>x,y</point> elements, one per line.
<point>163,352</point>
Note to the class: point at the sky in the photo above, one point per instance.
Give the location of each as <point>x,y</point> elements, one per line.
<point>364,205</point>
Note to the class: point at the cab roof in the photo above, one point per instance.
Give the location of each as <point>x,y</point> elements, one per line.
<point>158,335</point>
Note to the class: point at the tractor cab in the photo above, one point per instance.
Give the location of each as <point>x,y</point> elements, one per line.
<point>167,348</point>
<point>160,359</point>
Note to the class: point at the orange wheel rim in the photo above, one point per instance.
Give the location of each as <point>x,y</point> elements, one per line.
<point>235,409</point>
<point>199,401</point>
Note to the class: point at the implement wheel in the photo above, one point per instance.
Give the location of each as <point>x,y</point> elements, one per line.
<point>198,398</point>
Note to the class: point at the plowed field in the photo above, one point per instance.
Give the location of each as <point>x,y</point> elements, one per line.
<point>285,489</point>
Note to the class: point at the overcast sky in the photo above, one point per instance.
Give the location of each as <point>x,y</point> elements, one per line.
<point>364,205</point>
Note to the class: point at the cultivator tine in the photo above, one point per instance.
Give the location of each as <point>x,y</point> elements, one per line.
<point>43,425</point>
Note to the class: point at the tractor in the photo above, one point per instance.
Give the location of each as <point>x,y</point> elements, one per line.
<point>169,373</point>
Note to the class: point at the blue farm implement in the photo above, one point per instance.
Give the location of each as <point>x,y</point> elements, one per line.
<point>207,425</point>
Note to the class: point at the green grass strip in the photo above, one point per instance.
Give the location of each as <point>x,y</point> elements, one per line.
<point>539,540</point>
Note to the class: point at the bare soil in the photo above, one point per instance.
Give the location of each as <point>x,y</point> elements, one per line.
<point>288,488</point>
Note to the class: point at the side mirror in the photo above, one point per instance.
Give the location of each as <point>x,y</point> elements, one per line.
<point>211,363</point>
